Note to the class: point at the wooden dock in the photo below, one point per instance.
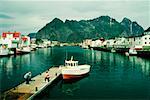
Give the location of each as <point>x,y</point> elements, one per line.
<point>28,91</point>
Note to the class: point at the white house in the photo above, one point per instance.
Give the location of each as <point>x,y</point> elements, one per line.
<point>46,42</point>
<point>134,41</point>
<point>96,43</point>
<point>110,43</point>
<point>25,41</point>
<point>121,43</point>
<point>145,40</point>
<point>11,39</point>
<point>87,42</point>
<point>33,40</point>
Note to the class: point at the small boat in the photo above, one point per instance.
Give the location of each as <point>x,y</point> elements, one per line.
<point>11,52</point>
<point>61,45</point>
<point>85,47</point>
<point>26,50</point>
<point>33,47</point>
<point>72,70</point>
<point>23,50</point>
<point>113,50</point>
<point>40,46</point>
<point>4,50</point>
<point>132,52</point>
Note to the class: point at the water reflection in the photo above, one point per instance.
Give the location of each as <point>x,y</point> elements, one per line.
<point>9,67</point>
<point>118,72</point>
<point>142,65</point>
<point>70,87</point>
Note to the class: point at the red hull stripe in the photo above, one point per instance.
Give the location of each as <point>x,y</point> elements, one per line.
<point>66,76</point>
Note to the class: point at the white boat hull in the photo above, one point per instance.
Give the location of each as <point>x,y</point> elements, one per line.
<point>4,52</point>
<point>75,72</point>
<point>24,50</point>
<point>132,52</point>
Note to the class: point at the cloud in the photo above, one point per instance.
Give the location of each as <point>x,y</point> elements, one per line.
<point>5,25</point>
<point>31,15</point>
<point>4,16</point>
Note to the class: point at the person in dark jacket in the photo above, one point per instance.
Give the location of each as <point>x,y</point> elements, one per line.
<point>27,77</point>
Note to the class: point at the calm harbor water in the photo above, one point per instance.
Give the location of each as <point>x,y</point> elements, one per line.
<point>112,75</point>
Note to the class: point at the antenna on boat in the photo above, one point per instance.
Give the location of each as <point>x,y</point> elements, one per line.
<point>71,58</point>
<point>66,55</point>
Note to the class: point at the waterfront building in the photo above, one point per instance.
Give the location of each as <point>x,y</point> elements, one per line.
<point>121,43</point>
<point>133,41</point>
<point>145,40</point>
<point>46,42</point>
<point>33,40</point>
<point>25,41</point>
<point>24,45</point>
<point>140,42</point>
<point>11,39</point>
<point>110,43</point>
<point>86,43</point>
<point>54,43</point>
<point>97,43</point>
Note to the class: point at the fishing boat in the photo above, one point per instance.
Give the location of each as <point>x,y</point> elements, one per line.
<point>4,50</point>
<point>33,47</point>
<point>23,50</point>
<point>132,52</point>
<point>72,70</point>
<point>40,46</point>
<point>26,50</point>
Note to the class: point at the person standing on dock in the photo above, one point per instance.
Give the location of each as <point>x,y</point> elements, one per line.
<point>27,77</point>
<point>47,76</point>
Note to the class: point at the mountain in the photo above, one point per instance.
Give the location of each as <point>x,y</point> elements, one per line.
<point>32,35</point>
<point>76,31</point>
<point>147,30</point>
<point>131,28</point>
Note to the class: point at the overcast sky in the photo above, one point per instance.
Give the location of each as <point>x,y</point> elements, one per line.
<point>28,16</point>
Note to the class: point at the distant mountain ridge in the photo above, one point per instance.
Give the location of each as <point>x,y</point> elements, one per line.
<point>76,31</point>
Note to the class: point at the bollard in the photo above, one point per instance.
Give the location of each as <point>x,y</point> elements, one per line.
<point>36,88</point>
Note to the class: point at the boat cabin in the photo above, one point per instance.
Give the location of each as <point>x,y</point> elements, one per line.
<point>71,63</point>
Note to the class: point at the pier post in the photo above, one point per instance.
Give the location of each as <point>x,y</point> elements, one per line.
<point>36,88</point>
<point>15,52</point>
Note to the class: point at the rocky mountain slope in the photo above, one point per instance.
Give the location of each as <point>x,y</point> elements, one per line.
<point>76,31</point>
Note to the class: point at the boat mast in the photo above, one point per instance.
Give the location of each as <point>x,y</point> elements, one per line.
<point>66,55</point>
